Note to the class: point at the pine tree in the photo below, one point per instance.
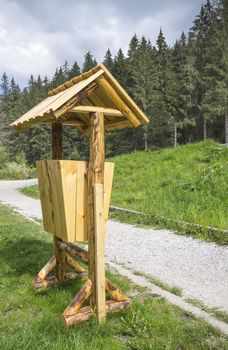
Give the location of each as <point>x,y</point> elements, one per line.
<point>74,71</point>
<point>163,100</point>
<point>89,62</point>
<point>108,61</point>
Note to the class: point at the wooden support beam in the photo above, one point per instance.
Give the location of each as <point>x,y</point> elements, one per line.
<point>113,306</point>
<point>52,280</point>
<point>93,109</point>
<point>79,299</point>
<point>73,264</point>
<point>99,250</point>
<point>46,269</point>
<point>117,100</point>
<point>114,292</point>
<point>84,314</point>
<point>57,153</point>
<point>76,99</point>
<point>74,250</point>
<point>95,176</point>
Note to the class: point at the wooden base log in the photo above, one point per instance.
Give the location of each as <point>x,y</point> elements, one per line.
<point>46,269</point>
<point>113,306</point>
<point>73,264</point>
<point>74,250</point>
<point>86,312</point>
<point>83,315</point>
<point>114,292</point>
<point>47,282</point>
<point>52,280</point>
<point>79,299</point>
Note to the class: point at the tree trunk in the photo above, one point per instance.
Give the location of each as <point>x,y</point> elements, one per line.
<point>204,129</point>
<point>146,138</point>
<point>226,127</point>
<point>175,135</point>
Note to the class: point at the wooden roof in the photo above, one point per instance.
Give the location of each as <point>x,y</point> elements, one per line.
<point>71,103</point>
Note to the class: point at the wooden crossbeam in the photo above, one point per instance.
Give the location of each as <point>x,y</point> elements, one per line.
<point>76,99</point>
<point>93,109</point>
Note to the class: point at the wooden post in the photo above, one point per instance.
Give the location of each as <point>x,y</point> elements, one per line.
<point>57,153</point>
<point>96,226</point>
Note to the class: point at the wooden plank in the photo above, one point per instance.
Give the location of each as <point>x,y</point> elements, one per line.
<point>118,124</point>
<point>126,98</point>
<point>99,250</point>
<point>81,202</point>
<point>57,153</point>
<point>108,178</point>
<point>121,105</point>
<point>89,109</point>
<point>69,183</point>
<point>54,103</point>
<point>76,98</point>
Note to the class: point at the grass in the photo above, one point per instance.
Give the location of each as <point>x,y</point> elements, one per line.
<point>172,289</point>
<point>220,315</point>
<point>189,184</point>
<point>31,321</point>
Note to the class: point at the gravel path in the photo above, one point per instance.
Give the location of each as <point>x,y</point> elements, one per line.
<point>199,268</point>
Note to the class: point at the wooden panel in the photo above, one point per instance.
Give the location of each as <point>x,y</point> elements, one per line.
<point>108,177</point>
<point>99,251</point>
<point>64,197</point>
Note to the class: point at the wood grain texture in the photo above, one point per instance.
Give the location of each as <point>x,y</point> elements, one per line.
<point>56,215</point>
<point>63,190</point>
<point>79,299</point>
<point>99,250</point>
<point>114,292</point>
<point>84,314</point>
<point>95,175</point>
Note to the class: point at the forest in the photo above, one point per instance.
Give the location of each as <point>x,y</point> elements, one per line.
<point>183,89</point>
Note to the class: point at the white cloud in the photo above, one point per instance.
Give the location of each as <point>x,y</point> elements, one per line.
<point>37,36</point>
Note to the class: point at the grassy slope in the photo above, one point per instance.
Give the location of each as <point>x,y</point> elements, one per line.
<point>31,321</point>
<point>189,183</point>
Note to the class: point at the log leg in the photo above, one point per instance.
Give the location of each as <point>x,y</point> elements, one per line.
<point>61,260</point>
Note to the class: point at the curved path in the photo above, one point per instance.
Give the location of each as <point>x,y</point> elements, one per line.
<point>199,268</point>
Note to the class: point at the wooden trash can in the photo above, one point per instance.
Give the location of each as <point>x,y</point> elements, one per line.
<point>63,190</point>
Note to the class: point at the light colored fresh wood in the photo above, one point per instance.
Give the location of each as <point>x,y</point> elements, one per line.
<point>127,99</point>
<point>73,264</point>
<point>63,190</point>
<point>47,268</point>
<point>74,250</point>
<point>55,198</point>
<point>108,95</point>
<point>121,105</point>
<point>79,299</point>
<point>95,175</point>
<point>114,292</point>
<point>71,102</point>
<point>113,306</point>
<point>93,109</point>
<point>54,103</point>
<point>84,314</point>
<point>99,250</point>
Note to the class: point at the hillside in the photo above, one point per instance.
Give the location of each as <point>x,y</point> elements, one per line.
<point>189,183</point>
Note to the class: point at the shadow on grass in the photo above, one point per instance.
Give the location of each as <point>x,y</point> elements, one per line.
<point>25,255</point>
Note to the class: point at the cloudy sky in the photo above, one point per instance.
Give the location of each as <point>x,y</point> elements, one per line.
<point>36,36</point>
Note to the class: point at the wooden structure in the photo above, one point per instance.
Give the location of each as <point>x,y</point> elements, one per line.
<point>75,195</point>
